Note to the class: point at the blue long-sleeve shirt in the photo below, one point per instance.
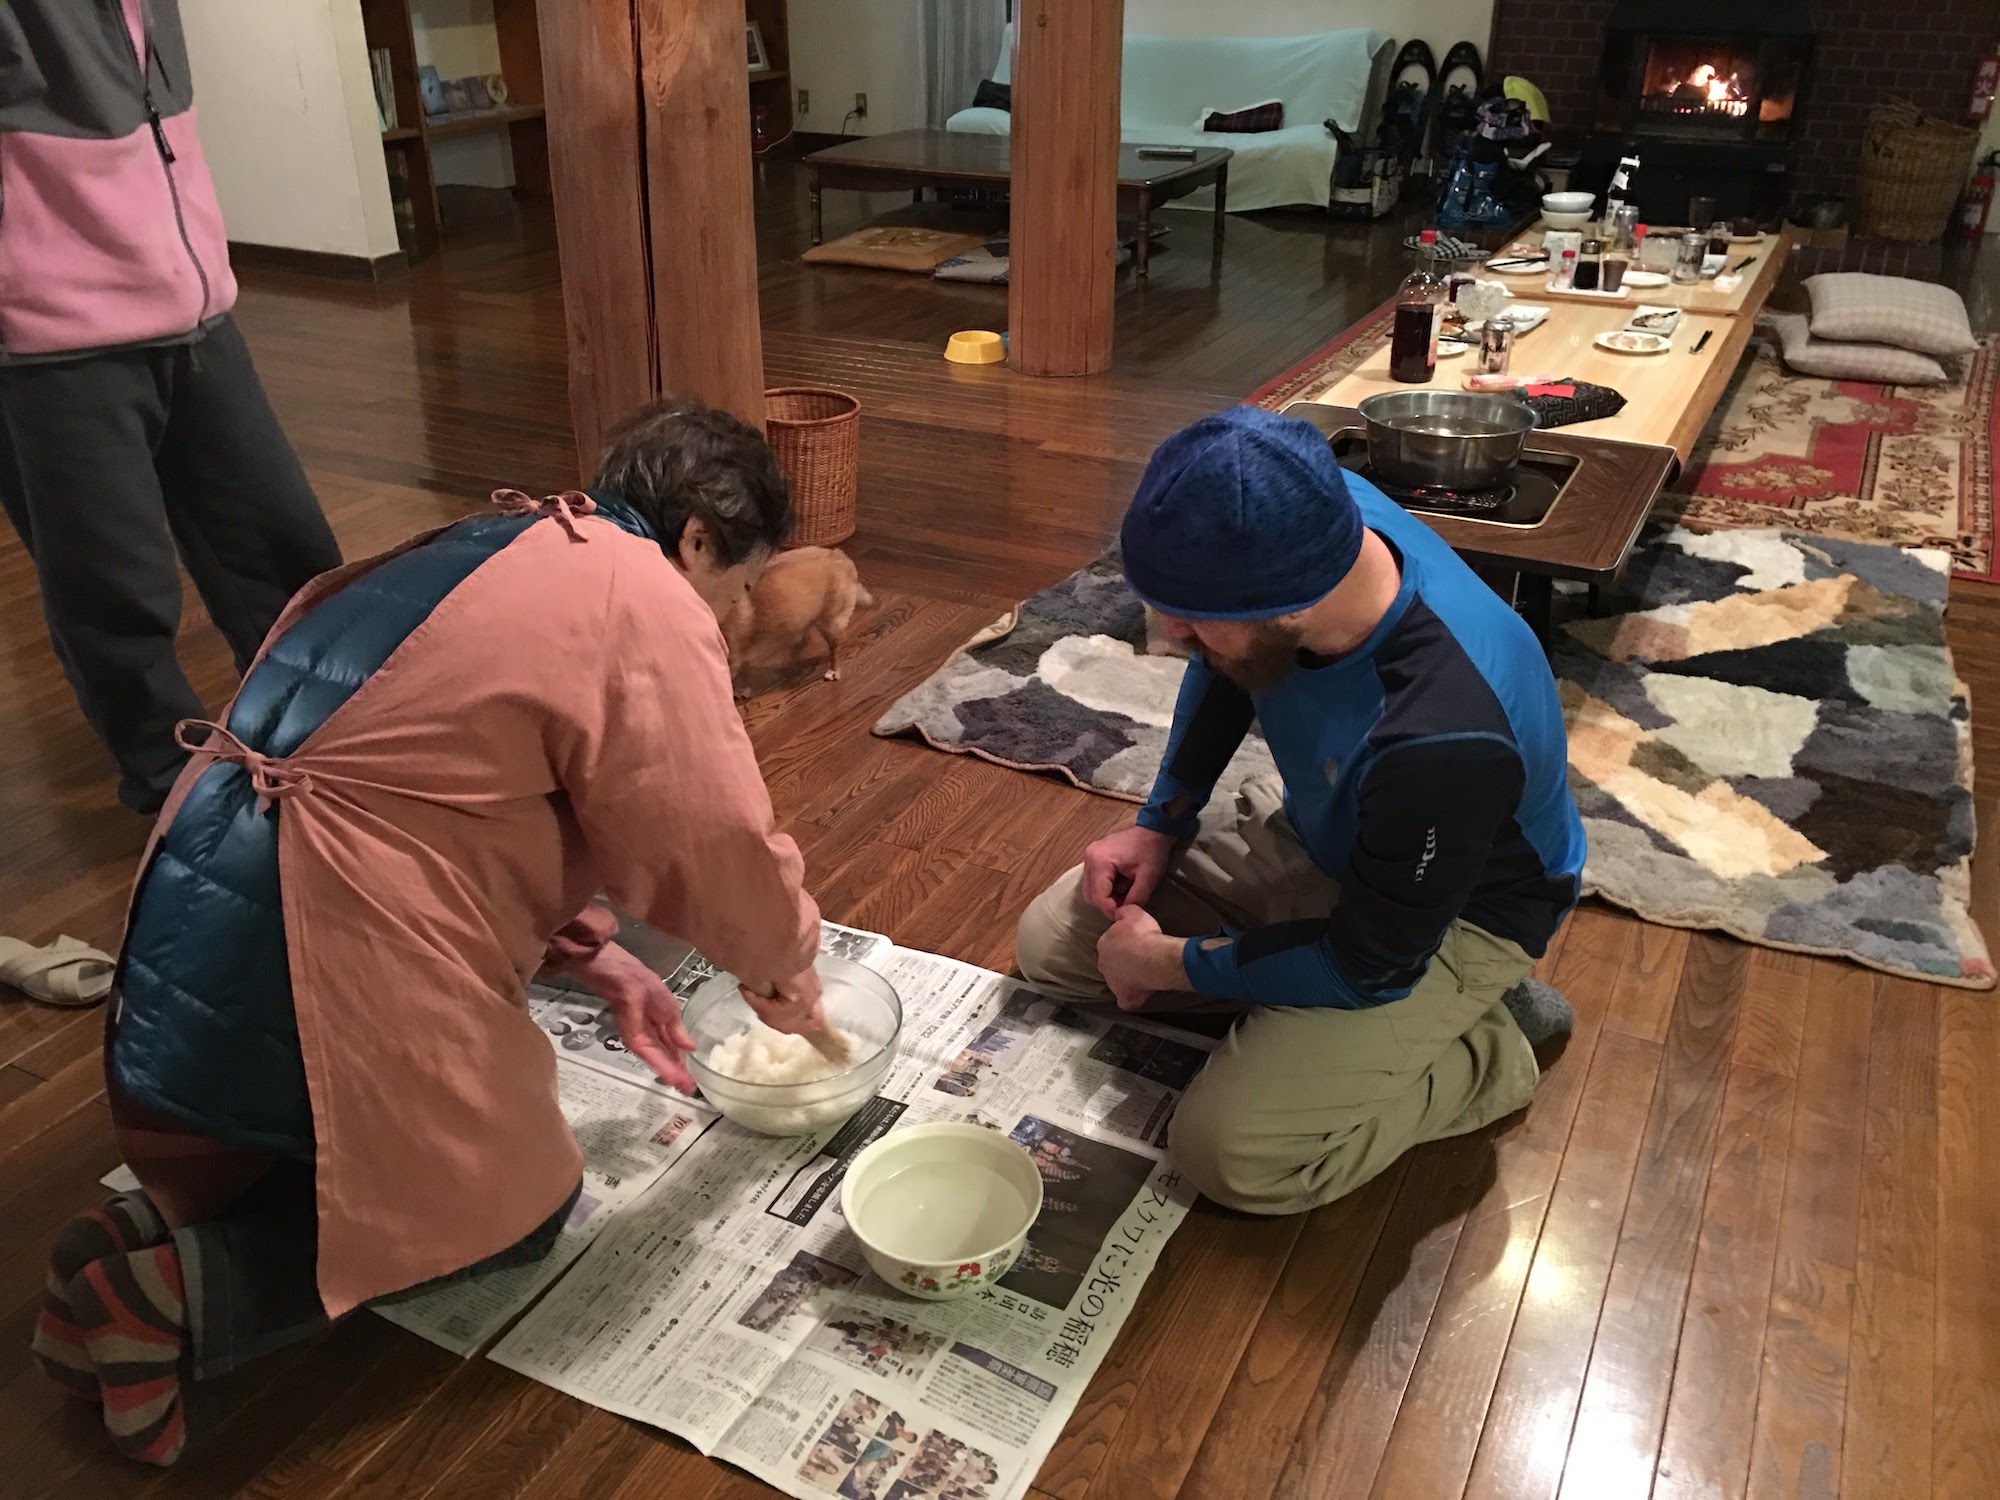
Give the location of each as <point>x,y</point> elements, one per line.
<point>1426,771</point>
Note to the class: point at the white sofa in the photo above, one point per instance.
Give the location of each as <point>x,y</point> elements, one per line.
<point>1169,82</point>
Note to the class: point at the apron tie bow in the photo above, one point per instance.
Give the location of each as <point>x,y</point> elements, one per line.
<point>563,509</point>
<point>272,777</point>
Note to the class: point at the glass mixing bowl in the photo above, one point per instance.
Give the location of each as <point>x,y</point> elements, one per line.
<point>857,1000</point>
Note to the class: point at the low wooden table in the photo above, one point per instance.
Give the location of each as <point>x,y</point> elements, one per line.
<point>912,160</point>
<point>1763,261</point>
<point>1668,397</point>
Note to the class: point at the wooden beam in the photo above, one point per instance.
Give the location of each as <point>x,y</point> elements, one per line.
<point>700,220</point>
<point>1064,218</point>
<point>589,59</point>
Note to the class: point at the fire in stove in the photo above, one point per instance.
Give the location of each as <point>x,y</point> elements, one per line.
<point>1697,82</point>
<point>1705,90</point>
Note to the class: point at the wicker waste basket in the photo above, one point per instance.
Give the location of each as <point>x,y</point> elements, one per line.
<point>1913,167</point>
<point>816,435</point>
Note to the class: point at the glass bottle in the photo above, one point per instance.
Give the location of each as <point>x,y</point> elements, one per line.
<point>1413,342</point>
<point>1588,264</point>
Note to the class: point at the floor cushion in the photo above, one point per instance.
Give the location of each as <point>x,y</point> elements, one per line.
<point>1834,359</point>
<point>1853,306</point>
<point>894,247</point>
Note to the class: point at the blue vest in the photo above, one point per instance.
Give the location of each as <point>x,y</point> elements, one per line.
<point>205,1030</point>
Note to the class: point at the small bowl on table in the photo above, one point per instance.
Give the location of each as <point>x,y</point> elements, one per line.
<point>1569,203</point>
<point>856,999</point>
<point>1555,219</point>
<point>942,1210</point>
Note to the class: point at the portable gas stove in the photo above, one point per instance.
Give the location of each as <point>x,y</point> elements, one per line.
<point>1574,509</point>
<point>1539,481</point>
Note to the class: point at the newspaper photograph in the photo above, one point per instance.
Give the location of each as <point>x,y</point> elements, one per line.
<point>729,1304</point>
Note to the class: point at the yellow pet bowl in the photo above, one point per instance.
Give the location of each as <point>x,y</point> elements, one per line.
<point>975,348</point>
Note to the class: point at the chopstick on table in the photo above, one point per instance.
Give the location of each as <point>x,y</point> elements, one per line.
<point>1741,265</point>
<point>1516,260</point>
<point>1706,335</point>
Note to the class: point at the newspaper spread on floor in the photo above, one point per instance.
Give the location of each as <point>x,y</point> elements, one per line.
<point>713,1289</point>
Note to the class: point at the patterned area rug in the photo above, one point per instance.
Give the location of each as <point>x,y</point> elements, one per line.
<point>1766,736</point>
<point>1911,466</point>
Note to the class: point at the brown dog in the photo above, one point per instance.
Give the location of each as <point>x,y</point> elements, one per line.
<point>807,592</point>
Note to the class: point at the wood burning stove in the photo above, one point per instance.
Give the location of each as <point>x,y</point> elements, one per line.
<point>1708,93</point>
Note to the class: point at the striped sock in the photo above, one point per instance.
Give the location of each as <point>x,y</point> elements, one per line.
<point>128,1222</point>
<point>133,1314</point>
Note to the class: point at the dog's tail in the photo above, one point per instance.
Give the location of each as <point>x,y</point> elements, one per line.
<point>862,597</point>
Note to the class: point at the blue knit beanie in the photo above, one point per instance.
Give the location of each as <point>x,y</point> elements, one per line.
<point>1244,515</point>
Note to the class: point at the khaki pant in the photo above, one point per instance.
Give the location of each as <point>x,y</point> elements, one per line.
<point>1299,1106</point>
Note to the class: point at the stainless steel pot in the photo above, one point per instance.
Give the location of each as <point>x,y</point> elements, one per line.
<point>1455,440</point>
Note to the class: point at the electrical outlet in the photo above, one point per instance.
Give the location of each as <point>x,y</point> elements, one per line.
<point>805,101</point>
<point>861,106</point>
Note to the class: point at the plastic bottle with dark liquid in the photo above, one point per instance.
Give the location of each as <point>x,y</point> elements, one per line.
<point>1413,341</point>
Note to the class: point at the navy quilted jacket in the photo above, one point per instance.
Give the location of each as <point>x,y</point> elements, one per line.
<point>205,1031</point>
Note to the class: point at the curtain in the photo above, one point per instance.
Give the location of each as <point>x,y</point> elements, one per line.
<point>957,41</point>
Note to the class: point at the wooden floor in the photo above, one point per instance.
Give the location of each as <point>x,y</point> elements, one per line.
<point>1746,1241</point>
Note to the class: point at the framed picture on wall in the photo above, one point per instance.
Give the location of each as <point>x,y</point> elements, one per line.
<point>760,60</point>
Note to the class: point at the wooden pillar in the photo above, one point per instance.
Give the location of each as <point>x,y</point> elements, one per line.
<point>701,221</point>
<point>1063,220</point>
<point>649,159</point>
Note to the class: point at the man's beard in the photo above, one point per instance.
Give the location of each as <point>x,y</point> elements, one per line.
<point>1269,658</point>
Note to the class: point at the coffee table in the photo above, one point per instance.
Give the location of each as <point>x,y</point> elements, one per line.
<point>912,160</point>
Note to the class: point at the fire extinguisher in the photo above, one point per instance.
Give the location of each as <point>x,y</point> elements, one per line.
<point>1977,205</point>
<point>1985,84</point>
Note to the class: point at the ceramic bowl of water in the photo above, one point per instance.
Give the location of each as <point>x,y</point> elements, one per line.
<point>941,1210</point>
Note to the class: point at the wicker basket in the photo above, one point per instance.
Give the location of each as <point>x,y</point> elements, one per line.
<point>817,437</point>
<point>1913,167</point>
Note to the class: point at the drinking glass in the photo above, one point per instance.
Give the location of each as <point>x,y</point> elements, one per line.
<point>1701,212</point>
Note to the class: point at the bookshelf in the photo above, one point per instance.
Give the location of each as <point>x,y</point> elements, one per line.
<point>771,88</point>
<point>389,26</point>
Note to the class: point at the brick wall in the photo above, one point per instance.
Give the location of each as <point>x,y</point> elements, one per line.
<point>1867,51</point>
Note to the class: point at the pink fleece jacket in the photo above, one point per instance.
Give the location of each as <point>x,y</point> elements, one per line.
<point>105,239</point>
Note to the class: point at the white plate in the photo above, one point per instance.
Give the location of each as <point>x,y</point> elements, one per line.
<point>1621,342</point>
<point>1533,268</point>
<point>1525,317</point>
<point>1656,319</point>
<point>1448,349</point>
<point>1647,278</point>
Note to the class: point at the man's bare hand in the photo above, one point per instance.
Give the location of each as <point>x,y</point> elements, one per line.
<point>1125,868</point>
<point>1138,960</point>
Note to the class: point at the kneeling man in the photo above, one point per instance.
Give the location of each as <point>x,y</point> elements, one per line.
<point>1377,905</point>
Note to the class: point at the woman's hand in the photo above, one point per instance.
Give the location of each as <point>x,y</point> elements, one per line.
<point>1124,869</point>
<point>648,1015</point>
<point>794,1005</point>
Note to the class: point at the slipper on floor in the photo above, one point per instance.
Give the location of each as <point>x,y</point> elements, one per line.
<point>66,972</point>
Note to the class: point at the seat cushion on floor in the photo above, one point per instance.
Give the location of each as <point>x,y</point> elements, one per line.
<point>1833,359</point>
<point>894,247</point>
<point>1856,307</point>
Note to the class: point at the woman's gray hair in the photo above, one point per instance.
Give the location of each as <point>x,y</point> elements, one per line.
<point>676,458</point>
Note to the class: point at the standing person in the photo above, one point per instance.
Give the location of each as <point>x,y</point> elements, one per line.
<point>1375,907</point>
<point>132,424</point>
<point>320,1061</point>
